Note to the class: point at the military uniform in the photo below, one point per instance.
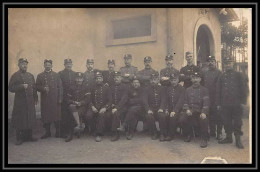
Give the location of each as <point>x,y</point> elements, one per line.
<point>128,72</point>
<point>101,97</point>
<point>175,101</point>
<point>67,78</point>
<point>89,78</point>
<point>186,72</point>
<point>231,93</point>
<point>210,82</point>
<point>197,101</point>
<point>50,101</point>
<point>108,75</point>
<point>154,99</point>
<point>23,115</point>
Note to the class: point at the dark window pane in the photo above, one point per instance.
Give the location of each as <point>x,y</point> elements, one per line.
<point>133,27</point>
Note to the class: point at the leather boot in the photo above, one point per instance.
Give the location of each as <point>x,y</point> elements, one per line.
<point>239,145</point>
<point>187,139</point>
<point>154,136</point>
<point>47,131</point>
<point>69,137</point>
<point>162,138</point>
<point>203,143</point>
<point>227,140</point>
<point>30,136</point>
<point>115,137</point>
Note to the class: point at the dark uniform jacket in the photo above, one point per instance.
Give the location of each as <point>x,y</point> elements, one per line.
<point>154,98</point>
<point>89,79</point>
<point>119,96</point>
<point>24,114</point>
<point>187,71</point>
<point>132,70</point>
<point>175,98</point>
<point>135,97</point>
<point>210,82</point>
<point>67,78</point>
<point>101,97</point>
<point>108,77</point>
<point>197,99</point>
<point>231,89</point>
<point>50,108</point>
<point>167,72</point>
<point>145,75</point>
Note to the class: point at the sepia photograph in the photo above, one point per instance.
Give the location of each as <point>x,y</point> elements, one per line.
<point>129,85</point>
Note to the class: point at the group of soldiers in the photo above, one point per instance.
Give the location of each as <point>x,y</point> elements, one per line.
<point>198,102</point>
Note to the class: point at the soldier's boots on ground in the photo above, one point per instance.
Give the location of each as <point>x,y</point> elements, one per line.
<point>115,136</point>
<point>219,136</point>
<point>98,138</point>
<point>238,143</point>
<point>227,140</point>
<point>129,135</point>
<point>187,138</point>
<point>203,143</point>
<point>169,138</point>
<point>46,135</point>
<point>19,139</point>
<point>162,138</point>
<point>69,137</point>
<point>122,127</point>
<point>154,135</point>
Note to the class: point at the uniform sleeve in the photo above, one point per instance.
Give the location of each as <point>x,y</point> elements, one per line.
<point>219,90</point>
<point>180,101</point>
<point>145,100</point>
<point>205,106</point>
<point>14,86</point>
<point>163,99</point>
<point>60,89</point>
<point>109,98</point>
<point>186,100</point>
<point>39,84</point>
<point>87,98</point>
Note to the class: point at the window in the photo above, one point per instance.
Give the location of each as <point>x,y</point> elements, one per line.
<point>134,29</point>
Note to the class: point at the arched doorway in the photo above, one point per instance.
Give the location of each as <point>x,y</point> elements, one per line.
<point>204,44</point>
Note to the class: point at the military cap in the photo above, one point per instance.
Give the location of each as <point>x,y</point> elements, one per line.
<point>188,53</point>
<point>116,73</point>
<point>98,74</point>
<point>169,57</point>
<point>211,58</point>
<point>22,60</point>
<point>228,59</point>
<point>196,74</point>
<point>128,56</point>
<point>154,75</point>
<point>79,75</point>
<point>90,61</point>
<point>48,61</point>
<point>67,61</point>
<point>174,76</point>
<point>147,58</point>
<point>111,62</point>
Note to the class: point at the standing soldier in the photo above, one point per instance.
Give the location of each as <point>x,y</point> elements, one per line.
<point>135,108</point>
<point>119,100</point>
<point>187,71</point>
<point>145,74</point>
<point>78,99</point>
<point>98,114</point>
<point>231,93</point>
<point>210,82</point>
<point>196,107</point>
<point>154,104</point>
<point>128,71</point>
<point>175,99</point>
<point>166,72</point>
<point>89,79</point>
<point>67,77</point>
<point>108,75</point>
<point>22,83</point>
<point>48,83</point>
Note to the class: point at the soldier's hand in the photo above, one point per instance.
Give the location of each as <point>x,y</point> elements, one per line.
<point>94,109</point>
<point>25,86</point>
<point>172,114</point>
<point>127,75</point>
<point>203,115</point>
<point>188,112</point>
<point>114,110</point>
<point>160,110</point>
<point>218,107</point>
<point>165,78</point>
<point>150,112</point>
<point>103,110</point>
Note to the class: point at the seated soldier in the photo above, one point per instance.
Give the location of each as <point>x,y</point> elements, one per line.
<point>135,108</point>
<point>175,100</point>
<point>78,99</point>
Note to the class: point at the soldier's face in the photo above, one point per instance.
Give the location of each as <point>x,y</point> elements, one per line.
<point>99,80</point>
<point>189,58</point>
<point>68,66</point>
<point>136,84</point>
<point>23,66</point>
<point>128,62</point>
<point>147,64</point>
<point>174,81</point>
<point>118,79</point>
<point>90,66</point>
<point>47,66</point>
<point>169,63</point>
<point>111,66</point>
<point>212,63</point>
<point>195,80</point>
<point>154,81</point>
<point>79,81</point>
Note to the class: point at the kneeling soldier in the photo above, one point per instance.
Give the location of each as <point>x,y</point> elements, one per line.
<point>154,104</point>
<point>175,99</point>
<point>119,100</point>
<point>196,107</point>
<point>78,99</point>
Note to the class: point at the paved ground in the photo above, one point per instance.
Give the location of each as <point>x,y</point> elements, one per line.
<point>139,150</point>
